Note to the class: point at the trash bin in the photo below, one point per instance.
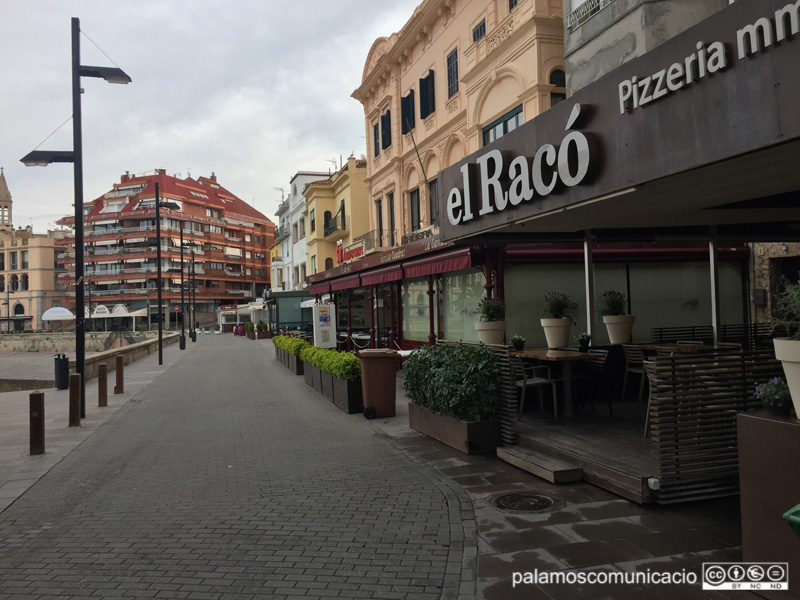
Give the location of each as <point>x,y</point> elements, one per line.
<point>379,382</point>
<point>62,372</point>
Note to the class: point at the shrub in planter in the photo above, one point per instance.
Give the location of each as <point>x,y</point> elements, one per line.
<point>559,312</point>
<point>613,307</point>
<point>787,349</point>
<point>292,346</point>
<point>457,381</point>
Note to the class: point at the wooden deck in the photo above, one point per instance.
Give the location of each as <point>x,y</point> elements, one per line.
<point>610,449</point>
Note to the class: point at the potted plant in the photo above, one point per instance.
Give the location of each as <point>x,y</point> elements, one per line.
<point>612,306</point>
<point>787,350</point>
<point>583,340</point>
<point>250,327</point>
<point>559,312</point>
<point>287,350</point>
<point>517,341</point>
<point>454,393</point>
<point>491,325</point>
<point>774,395</point>
<point>262,331</point>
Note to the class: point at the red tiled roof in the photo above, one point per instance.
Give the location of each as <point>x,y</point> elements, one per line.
<point>181,189</point>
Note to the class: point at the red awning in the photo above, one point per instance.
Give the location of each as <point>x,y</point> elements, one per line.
<point>452,260</point>
<point>319,288</point>
<point>345,283</point>
<point>382,275</point>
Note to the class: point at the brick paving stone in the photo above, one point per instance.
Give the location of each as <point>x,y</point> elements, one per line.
<point>223,475</point>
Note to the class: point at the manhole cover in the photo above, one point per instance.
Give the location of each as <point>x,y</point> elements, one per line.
<point>538,502</point>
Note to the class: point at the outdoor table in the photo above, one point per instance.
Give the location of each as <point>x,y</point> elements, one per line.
<point>566,358</point>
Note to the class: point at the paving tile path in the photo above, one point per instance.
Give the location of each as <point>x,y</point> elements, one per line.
<point>228,477</point>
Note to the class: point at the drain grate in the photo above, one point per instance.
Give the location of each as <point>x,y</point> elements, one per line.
<point>537,502</point>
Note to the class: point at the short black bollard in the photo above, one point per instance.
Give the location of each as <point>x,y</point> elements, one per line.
<point>120,387</point>
<point>75,400</point>
<point>102,385</point>
<point>37,422</point>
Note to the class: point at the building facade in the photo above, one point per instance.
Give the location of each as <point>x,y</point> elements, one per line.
<point>29,271</point>
<point>337,211</point>
<point>227,239</point>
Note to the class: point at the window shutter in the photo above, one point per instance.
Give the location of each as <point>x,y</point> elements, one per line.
<point>376,140</point>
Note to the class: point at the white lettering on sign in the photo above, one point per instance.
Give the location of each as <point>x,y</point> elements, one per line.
<point>501,187</point>
<point>709,59</point>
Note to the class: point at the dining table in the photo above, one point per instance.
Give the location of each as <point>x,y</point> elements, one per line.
<point>565,358</point>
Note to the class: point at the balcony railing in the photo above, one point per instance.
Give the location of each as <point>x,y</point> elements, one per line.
<point>585,11</point>
<point>337,227</point>
<point>380,238</point>
<point>281,233</point>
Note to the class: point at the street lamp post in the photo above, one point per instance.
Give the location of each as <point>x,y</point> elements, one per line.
<point>194,298</point>
<point>159,205</point>
<point>183,306</point>
<point>44,157</point>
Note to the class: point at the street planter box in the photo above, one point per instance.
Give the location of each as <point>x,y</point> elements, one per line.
<point>469,437</point>
<point>327,385</point>
<point>295,364</point>
<point>262,335</point>
<point>347,395</point>
<point>308,373</point>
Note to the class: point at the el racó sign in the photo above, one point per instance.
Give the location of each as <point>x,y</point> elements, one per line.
<point>603,140</point>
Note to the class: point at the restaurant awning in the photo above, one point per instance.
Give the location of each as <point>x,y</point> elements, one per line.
<point>319,288</point>
<point>345,283</point>
<point>58,313</point>
<point>452,260</point>
<point>382,275</point>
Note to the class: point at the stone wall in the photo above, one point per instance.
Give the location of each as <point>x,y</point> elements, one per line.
<point>767,272</point>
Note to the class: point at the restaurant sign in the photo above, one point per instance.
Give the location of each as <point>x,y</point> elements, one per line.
<point>352,252</point>
<point>503,180</point>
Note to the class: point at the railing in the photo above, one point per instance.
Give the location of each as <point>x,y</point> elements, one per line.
<point>750,335</point>
<point>281,233</point>
<point>379,238</point>
<point>417,235</point>
<point>585,11</point>
<point>339,223</point>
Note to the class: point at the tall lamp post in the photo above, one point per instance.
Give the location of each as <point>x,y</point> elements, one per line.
<point>159,206</point>
<point>43,158</point>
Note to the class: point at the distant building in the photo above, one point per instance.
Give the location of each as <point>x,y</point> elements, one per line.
<point>339,208</point>
<point>28,271</point>
<point>231,241</point>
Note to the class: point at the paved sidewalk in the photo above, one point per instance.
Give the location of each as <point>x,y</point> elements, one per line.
<point>222,475</point>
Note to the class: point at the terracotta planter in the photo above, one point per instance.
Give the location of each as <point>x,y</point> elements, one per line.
<point>469,437</point>
<point>788,352</point>
<point>619,327</point>
<point>491,332</point>
<point>347,395</point>
<point>327,385</point>
<point>556,331</point>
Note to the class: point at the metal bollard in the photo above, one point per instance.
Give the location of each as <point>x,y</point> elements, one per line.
<point>37,422</point>
<point>75,400</point>
<point>120,387</point>
<point>102,385</point>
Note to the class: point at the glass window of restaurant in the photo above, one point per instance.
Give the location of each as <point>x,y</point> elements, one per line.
<point>662,294</point>
<point>416,322</point>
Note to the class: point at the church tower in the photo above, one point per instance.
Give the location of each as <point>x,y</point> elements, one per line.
<point>5,204</point>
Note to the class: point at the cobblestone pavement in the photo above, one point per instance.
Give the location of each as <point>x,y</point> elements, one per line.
<point>226,477</point>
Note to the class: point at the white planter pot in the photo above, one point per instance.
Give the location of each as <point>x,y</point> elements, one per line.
<point>556,331</point>
<point>491,332</point>
<point>619,327</point>
<point>788,352</point>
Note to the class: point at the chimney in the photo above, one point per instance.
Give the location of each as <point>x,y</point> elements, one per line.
<point>124,178</point>
<point>213,177</point>
<point>161,171</point>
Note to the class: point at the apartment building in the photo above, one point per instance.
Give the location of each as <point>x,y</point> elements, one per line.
<point>29,270</point>
<point>226,238</point>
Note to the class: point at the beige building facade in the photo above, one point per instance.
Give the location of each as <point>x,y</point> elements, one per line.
<point>457,76</point>
<point>28,271</point>
<point>337,217</point>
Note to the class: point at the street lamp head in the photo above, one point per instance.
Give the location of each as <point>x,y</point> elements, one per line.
<point>110,74</point>
<point>42,158</point>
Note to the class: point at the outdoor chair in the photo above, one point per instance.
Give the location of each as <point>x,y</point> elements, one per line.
<point>527,375</point>
<point>592,371</point>
<point>634,363</point>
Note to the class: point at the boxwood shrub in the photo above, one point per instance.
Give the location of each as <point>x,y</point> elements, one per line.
<point>344,365</point>
<point>459,381</point>
<point>292,345</point>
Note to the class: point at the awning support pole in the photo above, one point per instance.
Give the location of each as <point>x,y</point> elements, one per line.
<point>713,260</point>
<point>588,260</point>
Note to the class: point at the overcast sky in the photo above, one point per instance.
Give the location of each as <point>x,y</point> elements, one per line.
<point>253,90</point>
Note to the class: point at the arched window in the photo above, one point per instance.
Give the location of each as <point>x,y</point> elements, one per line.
<point>558,79</point>
<point>19,309</point>
<point>14,283</point>
<point>328,263</point>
